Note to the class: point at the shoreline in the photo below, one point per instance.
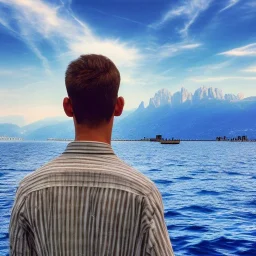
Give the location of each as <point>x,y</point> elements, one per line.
<point>119,140</point>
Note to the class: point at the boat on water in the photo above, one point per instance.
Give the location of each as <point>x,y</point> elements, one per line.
<point>170,141</point>
<point>160,139</point>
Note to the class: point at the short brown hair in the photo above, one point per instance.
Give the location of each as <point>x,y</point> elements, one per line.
<point>92,83</point>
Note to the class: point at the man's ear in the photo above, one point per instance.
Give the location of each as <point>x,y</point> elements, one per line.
<point>67,106</point>
<point>119,106</point>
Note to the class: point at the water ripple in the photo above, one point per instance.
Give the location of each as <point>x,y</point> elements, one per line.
<point>208,190</point>
<point>198,208</point>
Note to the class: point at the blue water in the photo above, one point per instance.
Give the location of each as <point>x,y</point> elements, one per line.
<point>208,188</point>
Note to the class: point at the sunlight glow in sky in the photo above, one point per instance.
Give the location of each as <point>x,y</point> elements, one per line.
<point>155,44</point>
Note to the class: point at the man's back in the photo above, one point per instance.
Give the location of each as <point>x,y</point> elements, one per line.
<point>88,202</point>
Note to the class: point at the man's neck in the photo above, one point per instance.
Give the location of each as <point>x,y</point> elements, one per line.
<point>100,134</point>
<point>92,137</point>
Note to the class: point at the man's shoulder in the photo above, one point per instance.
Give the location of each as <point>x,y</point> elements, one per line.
<point>136,176</point>
<point>110,174</point>
<point>31,180</point>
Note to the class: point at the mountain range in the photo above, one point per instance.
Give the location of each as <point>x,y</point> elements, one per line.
<point>165,97</point>
<point>204,114</point>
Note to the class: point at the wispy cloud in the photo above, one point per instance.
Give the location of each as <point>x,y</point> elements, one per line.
<point>119,17</point>
<point>171,50</point>
<point>6,72</point>
<point>38,20</point>
<point>220,78</point>
<point>230,4</point>
<point>251,69</point>
<point>248,50</point>
<point>251,4</point>
<point>211,67</point>
<point>189,11</point>
<point>17,73</point>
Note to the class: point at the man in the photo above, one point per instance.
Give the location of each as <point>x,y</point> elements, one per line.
<point>87,201</point>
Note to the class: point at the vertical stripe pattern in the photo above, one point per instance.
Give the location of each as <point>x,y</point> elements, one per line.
<point>88,202</point>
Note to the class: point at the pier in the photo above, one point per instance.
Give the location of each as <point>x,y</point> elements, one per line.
<point>3,138</point>
<point>159,138</point>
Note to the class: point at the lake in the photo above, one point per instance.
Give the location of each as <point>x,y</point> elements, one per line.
<point>208,189</point>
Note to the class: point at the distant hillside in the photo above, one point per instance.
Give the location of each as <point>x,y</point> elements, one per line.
<point>59,130</point>
<point>42,123</point>
<point>204,114</point>
<point>10,130</point>
<point>12,119</point>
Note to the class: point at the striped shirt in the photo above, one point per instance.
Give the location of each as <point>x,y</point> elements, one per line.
<point>88,202</point>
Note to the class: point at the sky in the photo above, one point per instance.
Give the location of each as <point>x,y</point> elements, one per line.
<point>154,43</point>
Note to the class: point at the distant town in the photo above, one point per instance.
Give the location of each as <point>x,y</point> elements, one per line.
<point>158,138</point>
<point>238,138</point>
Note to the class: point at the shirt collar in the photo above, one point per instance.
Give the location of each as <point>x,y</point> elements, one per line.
<point>89,147</point>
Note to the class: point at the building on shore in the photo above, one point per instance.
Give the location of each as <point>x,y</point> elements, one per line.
<point>157,138</point>
<point>238,138</point>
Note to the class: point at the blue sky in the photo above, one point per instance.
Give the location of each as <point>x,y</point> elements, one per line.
<point>155,44</point>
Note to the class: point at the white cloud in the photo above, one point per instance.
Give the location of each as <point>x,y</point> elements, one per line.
<point>38,19</point>
<point>219,78</point>
<point>170,50</point>
<point>251,69</point>
<point>189,11</point>
<point>190,46</point>
<point>229,5</point>
<point>118,52</point>
<point>251,4</point>
<point>4,23</point>
<point>119,17</point>
<point>211,67</point>
<point>17,73</point>
<point>248,50</point>
<point>6,72</point>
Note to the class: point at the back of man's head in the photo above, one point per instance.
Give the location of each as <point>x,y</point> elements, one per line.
<point>92,83</point>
